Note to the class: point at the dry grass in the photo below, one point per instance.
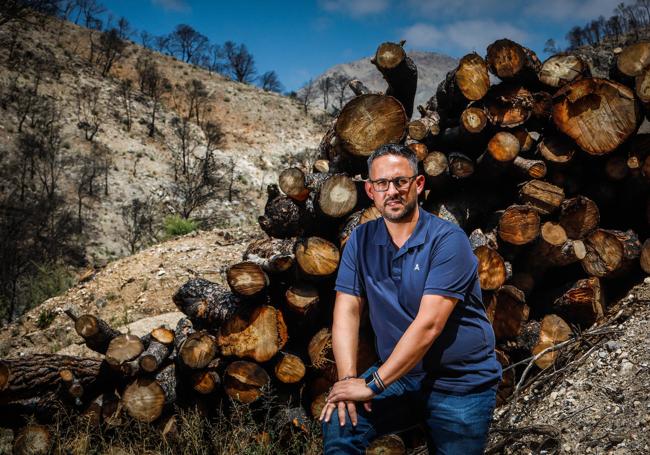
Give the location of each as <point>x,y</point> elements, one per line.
<point>234,429</point>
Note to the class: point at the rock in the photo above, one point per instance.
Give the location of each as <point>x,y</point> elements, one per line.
<point>626,367</point>
<point>612,345</point>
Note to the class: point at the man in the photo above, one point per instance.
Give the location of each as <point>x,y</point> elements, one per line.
<point>436,346</point>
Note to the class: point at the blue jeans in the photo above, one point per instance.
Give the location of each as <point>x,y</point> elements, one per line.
<point>457,424</point>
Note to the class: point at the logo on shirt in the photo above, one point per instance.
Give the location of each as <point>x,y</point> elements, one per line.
<point>417,267</point>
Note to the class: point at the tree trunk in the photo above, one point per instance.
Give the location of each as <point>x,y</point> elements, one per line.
<point>96,332</point>
<point>508,60</point>
<point>579,216</point>
<point>292,183</point>
<point>542,196</point>
<point>537,336</point>
<point>337,196</point>
<point>206,303</point>
<point>247,279</point>
<point>145,398</point>
<point>508,105</point>
<point>610,252</point>
<point>317,257</point>
<point>290,369</point>
<point>198,350</point>
<point>273,255</point>
<point>597,113</point>
<point>582,304</point>
<point>301,298</point>
<point>556,149</point>
<point>369,121</point>
<point>243,381</point>
<point>122,349</point>
<point>400,73</point>
<point>519,225</point>
<point>507,311</point>
<point>259,338</point>
<point>561,69</point>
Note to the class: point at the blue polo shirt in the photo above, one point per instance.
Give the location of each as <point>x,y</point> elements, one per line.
<point>436,259</point>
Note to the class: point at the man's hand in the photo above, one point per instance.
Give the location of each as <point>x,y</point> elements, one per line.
<point>344,395</point>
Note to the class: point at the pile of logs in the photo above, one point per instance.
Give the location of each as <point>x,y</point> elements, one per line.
<point>544,171</point>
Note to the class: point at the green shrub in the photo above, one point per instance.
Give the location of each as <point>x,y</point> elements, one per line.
<point>49,280</point>
<point>45,318</point>
<point>176,225</point>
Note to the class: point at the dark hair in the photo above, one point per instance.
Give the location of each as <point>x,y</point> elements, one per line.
<point>397,150</point>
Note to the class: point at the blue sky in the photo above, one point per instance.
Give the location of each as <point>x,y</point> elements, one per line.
<point>301,39</point>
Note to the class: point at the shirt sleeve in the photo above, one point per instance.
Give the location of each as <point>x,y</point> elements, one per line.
<point>348,279</point>
<point>453,267</point>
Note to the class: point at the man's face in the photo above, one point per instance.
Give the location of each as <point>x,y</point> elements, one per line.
<point>395,204</point>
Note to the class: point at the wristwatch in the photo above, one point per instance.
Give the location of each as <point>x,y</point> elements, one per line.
<point>371,383</point>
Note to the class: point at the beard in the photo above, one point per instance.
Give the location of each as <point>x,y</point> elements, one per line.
<point>404,212</point>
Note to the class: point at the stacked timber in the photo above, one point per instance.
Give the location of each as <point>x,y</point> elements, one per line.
<point>544,170</point>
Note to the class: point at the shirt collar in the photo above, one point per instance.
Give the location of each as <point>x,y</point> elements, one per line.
<point>418,236</point>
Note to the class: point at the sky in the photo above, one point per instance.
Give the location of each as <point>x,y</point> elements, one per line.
<point>302,39</point>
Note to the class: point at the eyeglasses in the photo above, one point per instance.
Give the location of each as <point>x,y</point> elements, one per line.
<point>401,183</point>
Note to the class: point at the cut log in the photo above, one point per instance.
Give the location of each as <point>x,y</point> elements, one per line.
<point>519,224</point>
<point>579,216</point>
<point>644,259</point>
<point>390,444</point>
<point>460,165</point>
<point>163,335</point>
<point>527,139</point>
<point>337,196</point>
<point>32,440</point>
<point>322,166</point>
<point>535,169</point>
<point>273,255</point>
<point>244,381</point>
<point>400,73</point>
<point>493,271</point>
<point>469,81</point>
<point>357,218</point>
<point>206,381</point>
<point>246,279</point>
<point>435,164</point>
<point>561,69</point>
<point>301,298</point>
<point>205,303</point>
<point>122,349</point>
<point>509,60</point>
<point>317,257</point>
<point>198,350</point>
<point>503,146</point>
<point>507,311</point>
<point>184,328</point>
<point>582,304</point>
<point>292,183</point>
<point>32,382</point>
<point>369,121</point>
<point>508,105</point>
<point>597,113</point>
<point>145,398</point>
<point>283,217</point>
<point>420,149</point>
<point>321,355</point>
<point>537,336</point>
<point>290,368</point>
<point>358,87</point>
<point>426,127</point>
<point>264,334</point>
<point>473,120</point>
<point>556,149</point>
<point>610,252</point>
<point>317,405</point>
<point>542,196</point>
<point>155,354</point>
<point>72,384</point>
<point>95,331</point>
<point>634,59</point>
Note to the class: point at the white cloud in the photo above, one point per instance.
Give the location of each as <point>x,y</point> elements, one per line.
<point>435,9</point>
<point>572,10</point>
<point>355,8</point>
<point>172,5</point>
<point>463,36</point>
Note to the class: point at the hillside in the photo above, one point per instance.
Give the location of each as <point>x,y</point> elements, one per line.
<point>262,131</point>
<point>432,68</point>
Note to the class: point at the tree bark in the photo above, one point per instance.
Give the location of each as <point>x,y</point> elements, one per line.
<point>205,303</point>
<point>400,73</point>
